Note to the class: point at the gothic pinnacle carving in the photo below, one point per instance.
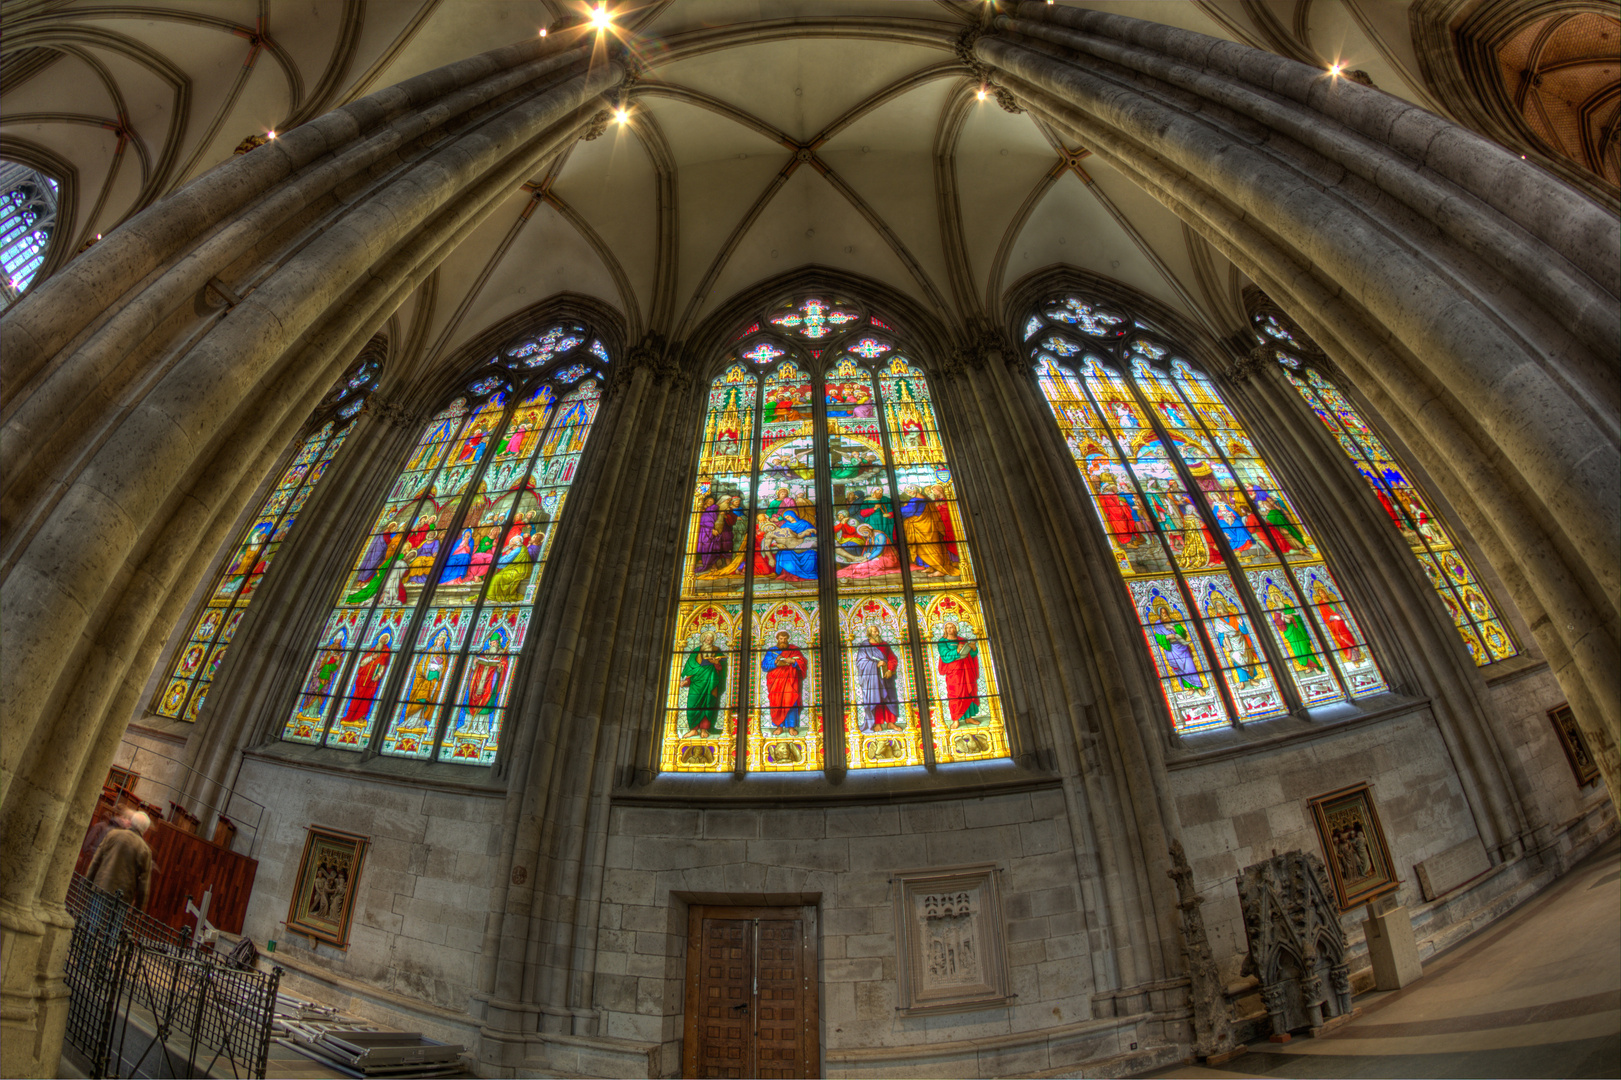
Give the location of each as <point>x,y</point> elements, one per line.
<point>1212,1023</point>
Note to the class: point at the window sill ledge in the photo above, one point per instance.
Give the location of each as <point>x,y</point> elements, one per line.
<point>420,775</point>
<point>915,784</point>
<point>1192,751</point>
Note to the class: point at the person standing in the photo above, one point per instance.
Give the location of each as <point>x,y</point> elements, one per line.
<point>123,862</point>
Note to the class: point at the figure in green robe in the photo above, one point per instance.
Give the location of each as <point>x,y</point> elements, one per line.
<point>1293,629</point>
<point>704,676</point>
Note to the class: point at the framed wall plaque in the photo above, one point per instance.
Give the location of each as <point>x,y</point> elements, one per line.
<point>952,942</point>
<point>1354,845</point>
<point>1574,743</point>
<point>327,883</point>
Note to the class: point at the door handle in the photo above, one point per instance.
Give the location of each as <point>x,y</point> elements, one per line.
<point>743,1006</point>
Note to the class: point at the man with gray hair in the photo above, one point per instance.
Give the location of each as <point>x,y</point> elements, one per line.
<point>123,862</point>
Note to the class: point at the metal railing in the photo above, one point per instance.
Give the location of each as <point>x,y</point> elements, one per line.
<point>145,1001</point>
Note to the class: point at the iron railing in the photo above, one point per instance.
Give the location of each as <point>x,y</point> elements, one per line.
<point>145,1001</point>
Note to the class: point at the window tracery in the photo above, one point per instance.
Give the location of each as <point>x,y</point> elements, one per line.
<point>1206,541</point>
<point>1448,569</point>
<point>234,586</point>
<point>424,637</point>
<point>27,220</point>
<point>828,596</point>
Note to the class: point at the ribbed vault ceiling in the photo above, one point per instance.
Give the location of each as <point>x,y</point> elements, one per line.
<point>763,137</point>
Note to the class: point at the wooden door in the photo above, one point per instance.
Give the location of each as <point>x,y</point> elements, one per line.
<point>751,993</point>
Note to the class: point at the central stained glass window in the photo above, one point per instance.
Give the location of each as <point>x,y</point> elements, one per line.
<point>1227,582</point>
<point>423,642</point>
<point>828,608</point>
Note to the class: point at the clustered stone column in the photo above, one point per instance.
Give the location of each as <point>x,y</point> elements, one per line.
<point>138,421</point>
<point>1469,295</point>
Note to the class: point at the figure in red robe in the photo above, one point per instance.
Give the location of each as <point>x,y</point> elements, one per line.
<point>368,682</point>
<point>959,664</point>
<point>785,667</point>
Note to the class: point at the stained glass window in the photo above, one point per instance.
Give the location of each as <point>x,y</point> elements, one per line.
<point>233,588</point>
<point>828,597</point>
<point>423,640</point>
<point>1484,633</point>
<point>1237,605</point>
<point>27,220</point>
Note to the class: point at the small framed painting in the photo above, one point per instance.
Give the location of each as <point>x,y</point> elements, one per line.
<point>327,883</point>
<point>1354,845</point>
<point>1574,744</point>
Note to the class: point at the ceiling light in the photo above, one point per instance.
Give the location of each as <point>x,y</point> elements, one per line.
<point>1335,68</point>
<point>981,94</point>
<point>621,114</point>
<point>270,134</point>
<point>542,31</point>
<point>600,18</point>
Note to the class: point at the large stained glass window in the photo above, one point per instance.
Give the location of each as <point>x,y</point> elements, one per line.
<point>234,586</point>
<point>1237,605</point>
<point>418,655</point>
<point>828,599</point>
<point>1484,633</point>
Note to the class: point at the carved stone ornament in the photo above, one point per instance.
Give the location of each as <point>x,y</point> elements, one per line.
<point>950,937</point>
<point>965,52</point>
<point>1212,1022</point>
<point>1296,945</point>
<point>1245,367</point>
<point>392,413</point>
<point>599,125</point>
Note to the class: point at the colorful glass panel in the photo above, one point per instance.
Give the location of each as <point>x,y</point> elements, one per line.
<point>1206,540</point>
<point>238,580</point>
<point>1458,587</point>
<point>425,639</point>
<point>854,454</point>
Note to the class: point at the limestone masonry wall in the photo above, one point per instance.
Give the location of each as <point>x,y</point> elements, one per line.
<point>424,891</point>
<point>1238,811</point>
<point>846,855</point>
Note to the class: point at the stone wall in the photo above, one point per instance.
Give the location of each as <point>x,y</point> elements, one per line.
<point>659,859</point>
<point>419,919</point>
<point>1241,809</point>
<point>1522,702</point>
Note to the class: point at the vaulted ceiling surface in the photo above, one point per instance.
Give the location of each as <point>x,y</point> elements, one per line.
<point>764,136</point>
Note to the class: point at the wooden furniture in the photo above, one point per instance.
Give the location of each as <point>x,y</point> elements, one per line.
<point>182,819</point>
<point>186,864</point>
<point>224,831</point>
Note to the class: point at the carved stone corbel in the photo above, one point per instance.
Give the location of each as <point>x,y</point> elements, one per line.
<point>964,47</point>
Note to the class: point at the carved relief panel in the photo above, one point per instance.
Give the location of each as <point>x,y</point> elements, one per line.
<point>949,932</point>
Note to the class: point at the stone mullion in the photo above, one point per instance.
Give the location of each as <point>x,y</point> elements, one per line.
<point>629,495</point>
<point>543,824</point>
<point>1560,553</point>
<point>316,558</point>
<point>1521,550</point>
<point>1487,529</point>
<point>1377,562</point>
<point>644,713</point>
<point>835,753</point>
<point>1126,768</point>
<point>124,615</point>
<point>995,535</point>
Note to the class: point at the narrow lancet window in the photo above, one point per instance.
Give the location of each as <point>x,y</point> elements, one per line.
<point>1484,633</point>
<point>828,599</point>
<point>233,588</point>
<point>1236,602</point>
<point>423,641</point>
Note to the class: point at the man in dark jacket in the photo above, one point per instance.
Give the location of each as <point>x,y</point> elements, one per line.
<point>123,862</point>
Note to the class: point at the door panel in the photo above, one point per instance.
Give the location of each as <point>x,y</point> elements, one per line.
<point>751,993</point>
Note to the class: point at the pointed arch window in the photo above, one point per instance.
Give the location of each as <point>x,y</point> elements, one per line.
<point>1449,570</point>
<point>1236,602</point>
<point>233,588</point>
<point>27,220</point>
<point>417,658</point>
<point>829,605</point>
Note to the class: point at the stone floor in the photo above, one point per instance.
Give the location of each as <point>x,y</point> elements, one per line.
<point>1536,994</point>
